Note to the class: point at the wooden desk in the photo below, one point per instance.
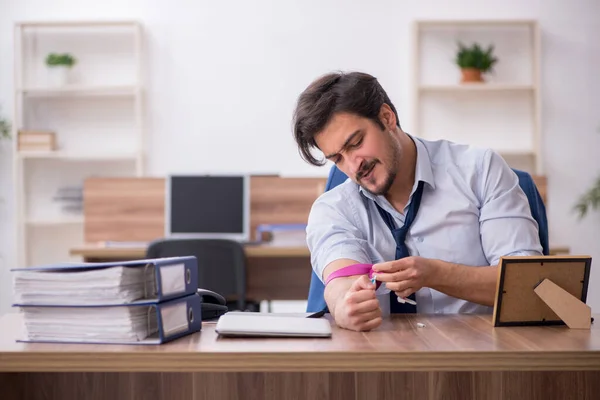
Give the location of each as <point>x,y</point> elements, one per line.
<point>452,357</point>
<point>272,272</point>
<point>95,252</point>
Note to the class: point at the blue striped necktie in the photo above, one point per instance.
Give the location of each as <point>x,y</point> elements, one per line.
<point>401,249</point>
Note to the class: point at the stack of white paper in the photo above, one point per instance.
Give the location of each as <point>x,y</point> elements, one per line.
<point>90,324</point>
<point>117,285</point>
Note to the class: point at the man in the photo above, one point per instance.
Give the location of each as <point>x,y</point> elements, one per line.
<point>460,209</point>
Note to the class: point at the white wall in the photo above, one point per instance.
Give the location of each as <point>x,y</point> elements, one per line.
<point>223,78</point>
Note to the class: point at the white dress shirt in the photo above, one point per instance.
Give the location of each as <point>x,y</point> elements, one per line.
<point>472,212</point>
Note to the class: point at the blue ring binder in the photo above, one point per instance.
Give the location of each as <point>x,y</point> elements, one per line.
<point>169,312</point>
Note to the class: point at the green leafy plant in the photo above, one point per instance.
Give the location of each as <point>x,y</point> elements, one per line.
<point>476,57</point>
<point>589,200</point>
<point>4,128</point>
<point>54,59</point>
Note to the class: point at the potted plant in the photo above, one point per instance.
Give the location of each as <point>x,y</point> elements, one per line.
<point>4,128</point>
<point>59,68</point>
<point>589,200</point>
<point>475,61</point>
<point>4,134</point>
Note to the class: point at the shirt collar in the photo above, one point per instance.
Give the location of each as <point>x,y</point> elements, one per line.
<point>423,170</point>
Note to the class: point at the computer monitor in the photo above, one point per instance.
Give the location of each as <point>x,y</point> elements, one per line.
<point>209,206</point>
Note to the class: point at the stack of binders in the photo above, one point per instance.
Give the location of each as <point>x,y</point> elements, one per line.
<point>150,301</point>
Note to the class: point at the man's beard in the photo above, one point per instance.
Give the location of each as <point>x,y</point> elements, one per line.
<point>394,156</point>
<point>389,179</point>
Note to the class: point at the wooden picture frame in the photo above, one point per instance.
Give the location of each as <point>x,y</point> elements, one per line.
<point>517,301</point>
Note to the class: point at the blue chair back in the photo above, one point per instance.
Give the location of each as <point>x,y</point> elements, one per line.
<point>316,299</point>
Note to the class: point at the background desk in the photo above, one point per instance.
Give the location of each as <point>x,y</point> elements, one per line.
<point>273,272</point>
<point>452,357</point>
<point>95,253</point>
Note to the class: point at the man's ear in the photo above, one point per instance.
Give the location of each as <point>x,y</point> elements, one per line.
<point>387,117</point>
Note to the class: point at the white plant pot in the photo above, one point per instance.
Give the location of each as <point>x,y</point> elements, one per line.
<point>59,76</point>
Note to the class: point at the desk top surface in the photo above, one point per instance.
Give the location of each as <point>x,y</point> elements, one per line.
<point>251,250</point>
<point>446,342</point>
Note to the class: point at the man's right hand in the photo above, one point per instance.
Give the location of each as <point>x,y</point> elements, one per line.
<point>358,309</point>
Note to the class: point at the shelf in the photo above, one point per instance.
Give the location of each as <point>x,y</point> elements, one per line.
<point>89,91</point>
<point>74,220</point>
<point>475,22</point>
<point>98,117</point>
<point>69,156</point>
<point>78,24</point>
<point>477,87</point>
<point>474,113</point>
<point>515,153</point>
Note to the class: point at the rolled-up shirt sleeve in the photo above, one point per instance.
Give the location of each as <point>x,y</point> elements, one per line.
<point>506,225</point>
<point>332,233</point>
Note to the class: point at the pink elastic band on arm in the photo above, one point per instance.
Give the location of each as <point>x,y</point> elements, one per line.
<point>354,269</point>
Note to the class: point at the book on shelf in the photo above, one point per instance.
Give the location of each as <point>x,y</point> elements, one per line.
<point>36,140</point>
<point>146,301</point>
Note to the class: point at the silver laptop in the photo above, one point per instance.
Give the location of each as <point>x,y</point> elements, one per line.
<point>262,325</point>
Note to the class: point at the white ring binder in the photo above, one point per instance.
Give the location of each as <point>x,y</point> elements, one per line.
<point>154,288</point>
<point>152,310</point>
<point>145,282</point>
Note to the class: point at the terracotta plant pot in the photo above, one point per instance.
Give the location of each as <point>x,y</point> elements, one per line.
<point>471,75</point>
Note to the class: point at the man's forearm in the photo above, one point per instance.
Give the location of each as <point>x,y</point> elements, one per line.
<point>335,290</point>
<point>474,284</point>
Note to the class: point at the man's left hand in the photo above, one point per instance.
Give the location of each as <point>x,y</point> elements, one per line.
<point>406,275</point>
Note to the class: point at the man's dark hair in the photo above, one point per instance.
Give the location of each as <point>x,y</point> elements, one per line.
<point>354,93</point>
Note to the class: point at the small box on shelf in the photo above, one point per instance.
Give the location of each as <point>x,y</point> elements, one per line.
<point>34,140</point>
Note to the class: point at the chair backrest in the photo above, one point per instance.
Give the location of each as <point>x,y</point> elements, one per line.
<point>221,264</point>
<point>536,204</point>
<point>316,300</point>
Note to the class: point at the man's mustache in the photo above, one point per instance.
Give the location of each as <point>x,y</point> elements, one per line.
<point>365,168</point>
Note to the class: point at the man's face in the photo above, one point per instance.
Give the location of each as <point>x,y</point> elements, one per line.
<point>362,150</point>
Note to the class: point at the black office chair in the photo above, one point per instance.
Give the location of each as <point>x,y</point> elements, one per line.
<point>221,265</point>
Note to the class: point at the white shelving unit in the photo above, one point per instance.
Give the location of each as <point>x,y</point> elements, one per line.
<point>111,91</point>
<point>504,111</point>
<point>97,119</point>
